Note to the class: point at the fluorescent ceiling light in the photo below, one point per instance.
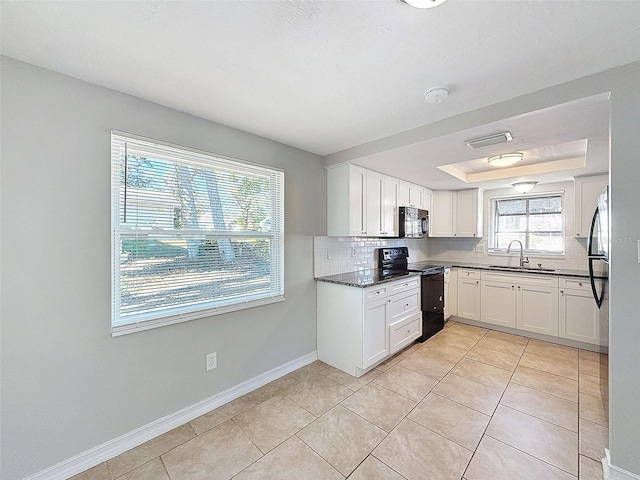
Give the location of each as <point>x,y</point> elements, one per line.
<point>485,141</point>
<point>424,3</point>
<point>505,160</point>
<point>524,187</point>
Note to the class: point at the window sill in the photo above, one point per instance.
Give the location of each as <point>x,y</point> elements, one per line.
<point>502,253</point>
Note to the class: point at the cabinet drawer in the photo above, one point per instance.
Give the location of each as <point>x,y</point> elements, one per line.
<point>409,283</point>
<point>403,305</point>
<point>469,274</point>
<point>576,284</point>
<point>375,293</point>
<point>521,279</point>
<point>404,332</point>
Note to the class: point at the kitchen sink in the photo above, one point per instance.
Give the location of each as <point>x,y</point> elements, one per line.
<point>523,269</point>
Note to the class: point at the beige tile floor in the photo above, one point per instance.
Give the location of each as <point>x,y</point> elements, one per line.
<point>469,403</point>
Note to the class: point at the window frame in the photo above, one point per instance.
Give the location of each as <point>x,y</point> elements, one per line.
<point>181,313</point>
<point>493,223</point>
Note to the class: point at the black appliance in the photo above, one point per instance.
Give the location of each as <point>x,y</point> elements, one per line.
<point>431,291</point>
<point>413,222</point>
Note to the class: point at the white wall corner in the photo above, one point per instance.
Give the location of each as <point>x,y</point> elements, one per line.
<point>112,448</point>
<point>611,472</point>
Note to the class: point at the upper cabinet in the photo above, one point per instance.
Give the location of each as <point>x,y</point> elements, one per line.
<point>457,213</point>
<point>587,190</point>
<point>412,195</point>
<point>361,202</point>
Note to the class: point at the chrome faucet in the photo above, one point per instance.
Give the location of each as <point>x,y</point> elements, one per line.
<point>522,258</point>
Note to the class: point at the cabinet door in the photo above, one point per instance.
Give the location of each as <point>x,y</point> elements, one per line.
<point>578,316</point>
<point>375,187</point>
<point>499,303</point>
<point>453,292</point>
<point>427,200</point>
<point>447,296</point>
<point>538,309</point>
<point>469,298</point>
<point>390,207</point>
<point>587,190</point>
<point>443,215</point>
<point>357,201</point>
<point>415,195</point>
<point>467,214</point>
<point>374,333</point>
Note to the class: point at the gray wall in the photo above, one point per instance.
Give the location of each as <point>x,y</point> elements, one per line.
<point>623,83</point>
<point>67,385</point>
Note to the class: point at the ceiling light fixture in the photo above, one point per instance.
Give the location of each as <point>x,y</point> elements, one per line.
<point>487,140</point>
<point>505,160</point>
<point>436,95</point>
<point>524,187</point>
<point>424,3</point>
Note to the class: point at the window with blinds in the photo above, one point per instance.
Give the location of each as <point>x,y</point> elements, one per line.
<point>193,234</point>
<point>535,220</point>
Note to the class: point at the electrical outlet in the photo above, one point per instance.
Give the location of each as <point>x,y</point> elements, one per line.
<point>329,257</point>
<point>480,248</point>
<point>212,361</point>
<point>353,252</point>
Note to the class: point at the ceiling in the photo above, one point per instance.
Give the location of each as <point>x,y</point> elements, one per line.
<point>326,76</point>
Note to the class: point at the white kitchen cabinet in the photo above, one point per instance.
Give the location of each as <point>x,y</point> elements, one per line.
<point>347,201</point>
<point>457,213</point>
<point>452,309</point>
<point>374,200</point>
<point>587,190</point>
<point>469,299</point>
<point>525,302</point>
<point>499,303</point>
<point>578,316</point>
<point>443,214</point>
<point>361,202</point>
<point>389,217</point>
<point>412,195</point>
<point>447,293</point>
<point>469,213</point>
<point>359,327</point>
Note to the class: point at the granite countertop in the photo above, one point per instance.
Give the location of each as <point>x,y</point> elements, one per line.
<point>372,277</point>
<point>364,278</point>
<point>556,272</point>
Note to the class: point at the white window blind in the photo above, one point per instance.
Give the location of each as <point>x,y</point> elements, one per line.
<point>535,220</point>
<point>193,234</point>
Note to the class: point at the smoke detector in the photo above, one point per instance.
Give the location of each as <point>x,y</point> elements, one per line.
<point>436,95</point>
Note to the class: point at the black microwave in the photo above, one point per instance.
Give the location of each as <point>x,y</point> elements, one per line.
<point>413,222</point>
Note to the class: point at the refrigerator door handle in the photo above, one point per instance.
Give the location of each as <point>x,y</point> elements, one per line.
<point>591,232</point>
<point>592,279</point>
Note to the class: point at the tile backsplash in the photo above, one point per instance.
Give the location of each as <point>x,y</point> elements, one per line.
<point>333,255</point>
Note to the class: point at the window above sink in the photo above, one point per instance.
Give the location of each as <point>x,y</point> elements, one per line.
<point>535,220</point>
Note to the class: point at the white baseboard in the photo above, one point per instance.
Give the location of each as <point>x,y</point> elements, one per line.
<point>112,448</point>
<point>611,472</point>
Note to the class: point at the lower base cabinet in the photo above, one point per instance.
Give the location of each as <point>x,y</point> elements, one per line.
<point>579,318</point>
<point>525,302</point>
<point>545,304</point>
<point>360,327</point>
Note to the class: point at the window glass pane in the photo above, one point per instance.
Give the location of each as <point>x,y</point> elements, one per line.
<point>504,239</point>
<point>546,242</point>
<point>159,273</point>
<point>169,195</point>
<point>516,223</point>
<point>547,223</point>
<point>545,205</point>
<point>510,207</point>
